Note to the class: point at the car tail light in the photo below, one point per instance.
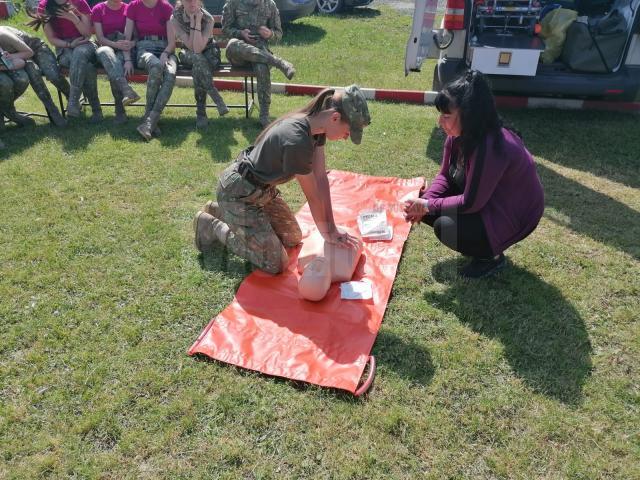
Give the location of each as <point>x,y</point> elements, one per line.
<point>454,15</point>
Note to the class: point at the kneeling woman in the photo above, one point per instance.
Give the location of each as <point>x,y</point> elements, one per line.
<point>193,25</point>
<point>487,195</point>
<point>251,217</point>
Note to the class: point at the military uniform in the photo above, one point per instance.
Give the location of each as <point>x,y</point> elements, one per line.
<point>239,15</point>
<point>83,76</point>
<point>202,64</point>
<point>13,83</point>
<point>43,62</point>
<point>250,217</point>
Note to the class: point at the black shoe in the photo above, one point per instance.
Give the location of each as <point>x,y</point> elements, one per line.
<point>483,267</point>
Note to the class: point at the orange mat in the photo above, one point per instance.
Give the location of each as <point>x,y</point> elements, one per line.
<point>269,328</point>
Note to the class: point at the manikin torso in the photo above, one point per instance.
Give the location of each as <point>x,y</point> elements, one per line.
<point>323,263</point>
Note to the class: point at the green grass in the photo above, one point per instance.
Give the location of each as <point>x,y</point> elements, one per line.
<point>532,374</point>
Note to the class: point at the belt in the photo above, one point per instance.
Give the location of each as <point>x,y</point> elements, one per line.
<point>153,37</point>
<point>243,170</point>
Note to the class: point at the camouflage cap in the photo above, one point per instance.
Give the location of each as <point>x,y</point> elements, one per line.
<point>354,106</point>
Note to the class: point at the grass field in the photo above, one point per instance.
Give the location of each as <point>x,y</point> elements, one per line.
<point>532,374</point>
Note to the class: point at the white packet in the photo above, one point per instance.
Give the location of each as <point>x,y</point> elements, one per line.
<point>372,222</point>
<point>356,290</point>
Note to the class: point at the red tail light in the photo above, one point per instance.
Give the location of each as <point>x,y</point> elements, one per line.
<point>454,15</point>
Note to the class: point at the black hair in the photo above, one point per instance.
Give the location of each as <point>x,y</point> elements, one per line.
<point>51,10</point>
<point>471,95</point>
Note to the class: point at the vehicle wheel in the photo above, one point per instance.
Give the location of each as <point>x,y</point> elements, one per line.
<point>329,7</point>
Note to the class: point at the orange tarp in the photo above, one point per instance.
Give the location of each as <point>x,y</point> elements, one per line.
<point>269,328</point>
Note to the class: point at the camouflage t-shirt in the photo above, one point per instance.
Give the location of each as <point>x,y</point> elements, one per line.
<point>285,151</point>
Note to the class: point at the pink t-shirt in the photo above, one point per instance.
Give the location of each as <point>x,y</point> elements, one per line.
<point>111,20</point>
<point>62,27</point>
<point>150,21</point>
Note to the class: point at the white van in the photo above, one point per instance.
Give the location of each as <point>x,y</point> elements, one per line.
<point>599,60</point>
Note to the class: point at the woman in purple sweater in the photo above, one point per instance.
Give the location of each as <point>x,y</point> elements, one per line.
<point>487,195</point>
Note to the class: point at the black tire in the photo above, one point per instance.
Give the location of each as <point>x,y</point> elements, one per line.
<point>329,7</point>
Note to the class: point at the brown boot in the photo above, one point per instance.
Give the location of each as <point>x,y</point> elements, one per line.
<point>147,127</point>
<point>201,115</point>
<point>209,230</point>
<point>285,67</point>
<point>73,105</point>
<point>221,106</point>
<point>213,209</point>
<point>129,95</point>
<point>19,119</point>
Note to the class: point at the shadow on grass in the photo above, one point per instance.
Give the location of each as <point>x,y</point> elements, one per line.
<point>587,211</point>
<point>355,13</point>
<point>545,340</point>
<point>605,144</point>
<point>410,360</point>
<point>300,33</point>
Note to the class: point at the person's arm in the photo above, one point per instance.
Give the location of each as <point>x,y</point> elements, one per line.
<point>315,187</point>
<point>22,50</point>
<point>197,37</point>
<point>171,44</point>
<point>128,35</point>
<point>181,35</point>
<point>102,40</point>
<point>275,25</point>
<point>440,184</point>
<point>53,38</point>
<point>80,20</point>
<point>484,174</point>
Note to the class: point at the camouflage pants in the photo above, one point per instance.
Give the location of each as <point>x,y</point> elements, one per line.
<point>260,222</point>
<point>82,69</point>
<point>202,67</point>
<point>12,85</point>
<point>113,63</point>
<point>161,78</point>
<point>47,63</point>
<point>242,54</point>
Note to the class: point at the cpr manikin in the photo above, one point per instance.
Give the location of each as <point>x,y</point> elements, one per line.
<point>322,263</point>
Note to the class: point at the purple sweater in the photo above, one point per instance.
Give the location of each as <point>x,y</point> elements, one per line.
<point>503,187</point>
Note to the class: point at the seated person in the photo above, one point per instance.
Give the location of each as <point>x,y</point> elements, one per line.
<point>322,263</point>
<point>13,79</point>
<point>487,195</point>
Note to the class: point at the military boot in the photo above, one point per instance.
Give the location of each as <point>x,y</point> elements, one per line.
<point>147,127</point>
<point>208,230</point>
<point>129,95</point>
<point>19,119</point>
<point>121,116</point>
<point>201,115</point>
<point>264,120</point>
<point>285,67</point>
<point>73,106</point>
<point>54,114</point>
<point>221,106</point>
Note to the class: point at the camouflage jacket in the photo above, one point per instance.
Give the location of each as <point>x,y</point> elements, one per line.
<point>251,14</point>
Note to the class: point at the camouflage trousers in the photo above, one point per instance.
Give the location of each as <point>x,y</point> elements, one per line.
<point>202,67</point>
<point>12,84</point>
<point>82,69</point>
<point>242,54</point>
<point>113,63</point>
<point>260,222</point>
<point>161,78</point>
<point>44,62</point>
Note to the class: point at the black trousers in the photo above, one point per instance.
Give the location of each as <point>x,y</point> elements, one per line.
<point>464,233</point>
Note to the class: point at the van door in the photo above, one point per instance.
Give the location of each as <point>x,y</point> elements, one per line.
<point>420,44</point>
